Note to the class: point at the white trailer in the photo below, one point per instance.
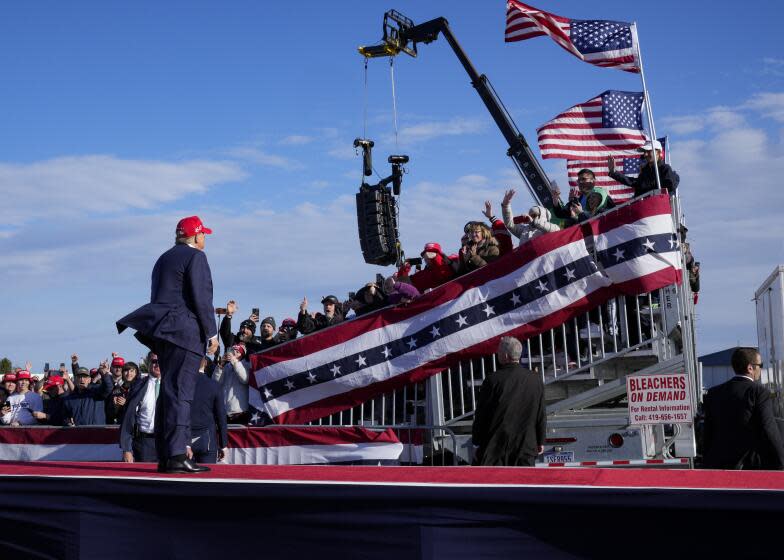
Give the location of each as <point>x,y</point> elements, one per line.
<point>769,299</point>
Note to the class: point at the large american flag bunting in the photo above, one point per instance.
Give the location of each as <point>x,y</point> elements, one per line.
<point>607,125</point>
<point>629,166</point>
<point>538,286</point>
<point>601,42</point>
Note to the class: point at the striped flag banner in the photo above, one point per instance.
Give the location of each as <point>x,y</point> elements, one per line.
<point>274,445</point>
<point>629,166</point>
<point>610,124</point>
<point>611,44</point>
<point>539,285</point>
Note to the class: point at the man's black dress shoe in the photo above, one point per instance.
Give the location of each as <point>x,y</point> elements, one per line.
<point>185,466</point>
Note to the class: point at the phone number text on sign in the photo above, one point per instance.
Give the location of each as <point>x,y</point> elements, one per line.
<point>659,399</point>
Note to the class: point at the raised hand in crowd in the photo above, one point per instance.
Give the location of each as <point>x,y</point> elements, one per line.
<point>611,164</point>
<point>74,358</point>
<point>231,308</point>
<point>508,196</point>
<point>488,211</point>
<point>303,306</point>
<point>556,192</point>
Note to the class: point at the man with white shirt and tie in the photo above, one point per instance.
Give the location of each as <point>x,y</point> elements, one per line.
<point>137,433</point>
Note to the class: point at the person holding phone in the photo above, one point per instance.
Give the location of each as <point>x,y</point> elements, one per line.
<point>19,408</point>
<point>178,325</point>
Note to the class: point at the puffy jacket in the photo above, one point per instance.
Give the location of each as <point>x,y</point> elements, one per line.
<point>536,227</point>
<point>487,251</point>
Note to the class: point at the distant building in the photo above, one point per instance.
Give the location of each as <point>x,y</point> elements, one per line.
<point>716,368</point>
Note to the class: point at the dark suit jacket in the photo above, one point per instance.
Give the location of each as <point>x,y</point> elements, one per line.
<point>740,430</point>
<point>208,409</point>
<point>509,421</point>
<point>180,310</point>
<point>135,395</point>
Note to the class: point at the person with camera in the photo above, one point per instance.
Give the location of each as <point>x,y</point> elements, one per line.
<point>480,248</point>
<point>646,180</point>
<point>333,314</point>
<point>246,334</point>
<point>367,299</point>
<point>85,405</point>
<point>232,375</point>
<point>137,431</point>
<point>498,229</point>
<point>533,224</point>
<point>113,409</point>
<point>9,383</point>
<point>18,409</point>
<point>178,325</point>
<point>437,270</point>
<point>586,181</point>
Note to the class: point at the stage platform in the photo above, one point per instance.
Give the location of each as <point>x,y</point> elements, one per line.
<point>114,510</point>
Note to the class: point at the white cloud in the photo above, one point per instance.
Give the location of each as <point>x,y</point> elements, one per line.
<point>69,186</point>
<point>297,140</point>
<point>730,185</point>
<point>773,66</point>
<point>771,105</point>
<point>714,118</point>
<point>458,126</point>
<point>260,157</point>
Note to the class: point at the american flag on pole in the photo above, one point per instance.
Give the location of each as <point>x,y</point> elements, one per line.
<point>629,166</point>
<point>607,125</point>
<point>601,42</point>
<point>536,287</point>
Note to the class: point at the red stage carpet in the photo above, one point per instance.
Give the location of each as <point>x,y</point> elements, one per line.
<point>100,510</point>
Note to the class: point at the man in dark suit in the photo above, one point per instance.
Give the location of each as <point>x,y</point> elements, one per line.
<point>208,421</point>
<point>740,430</point>
<point>509,421</point>
<point>137,432</point>
<point>178,325</point>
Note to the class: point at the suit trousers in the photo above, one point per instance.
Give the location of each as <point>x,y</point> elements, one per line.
<point>179,371</point>
<point>204,446</point>
<point>144,449</point>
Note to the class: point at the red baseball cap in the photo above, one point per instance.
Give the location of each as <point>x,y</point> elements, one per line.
<point>190,226</point>
<point>239,350</point>
<point>9,377</point>
<point>23,374</point>
<point>431,248</point>
<point>288,322</point>
<point>53,381</point>
<point>118,362</point>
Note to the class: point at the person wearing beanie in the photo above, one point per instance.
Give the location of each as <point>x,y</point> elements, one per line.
<point>288,329</point>
<point>333,314</point>
<point>268,337</point>
<point>536,223</point>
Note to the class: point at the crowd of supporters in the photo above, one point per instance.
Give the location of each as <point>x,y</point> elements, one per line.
<point>79,396</point>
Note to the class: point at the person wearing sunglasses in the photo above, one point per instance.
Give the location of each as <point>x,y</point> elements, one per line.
<point>740,429</point>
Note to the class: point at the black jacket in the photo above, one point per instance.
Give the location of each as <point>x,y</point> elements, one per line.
<point>740,430</point>
<point>509,421</point>
<point>646,181</point>
<point>86,407</point>
<point>307,324</point>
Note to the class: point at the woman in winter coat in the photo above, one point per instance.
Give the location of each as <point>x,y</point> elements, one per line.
<point>480,248</point>
<point>533,225</point>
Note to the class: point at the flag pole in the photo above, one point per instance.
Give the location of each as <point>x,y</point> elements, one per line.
<point>648,108</point>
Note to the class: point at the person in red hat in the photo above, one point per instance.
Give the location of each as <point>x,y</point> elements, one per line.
<point>438,269</point>
<point>22,404</point>
<point>9,383</point>
<point>54,386</point>
<point>112,410</point>
<point>178,325</point>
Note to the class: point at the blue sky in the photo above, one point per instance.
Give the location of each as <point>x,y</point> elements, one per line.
<point>119,118</point>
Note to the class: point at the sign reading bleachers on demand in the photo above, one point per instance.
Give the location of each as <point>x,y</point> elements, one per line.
<point>659,399</point>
